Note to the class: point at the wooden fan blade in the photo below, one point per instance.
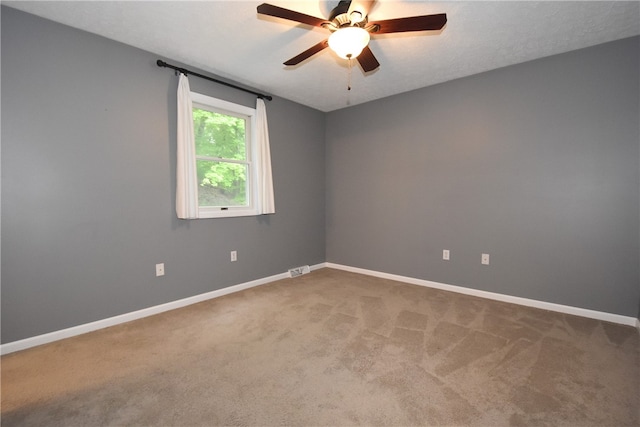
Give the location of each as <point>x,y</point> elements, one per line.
<point>361,6</point>
<point>291,15</point>
<point>412,23</point>
<point>308,53</point>
<point>367,60</point>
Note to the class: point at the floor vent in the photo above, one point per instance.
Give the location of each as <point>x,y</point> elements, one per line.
<point>299,271</point>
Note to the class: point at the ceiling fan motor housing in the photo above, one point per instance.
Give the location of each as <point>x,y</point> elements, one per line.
<point>340,18</point>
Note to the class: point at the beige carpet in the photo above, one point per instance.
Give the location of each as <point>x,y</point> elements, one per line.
<point>333,348</point>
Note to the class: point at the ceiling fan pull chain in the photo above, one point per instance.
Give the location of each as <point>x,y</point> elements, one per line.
<point>349,75</point>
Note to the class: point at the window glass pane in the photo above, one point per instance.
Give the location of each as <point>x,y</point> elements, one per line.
<point>219,135</point>
<point>222,184</point>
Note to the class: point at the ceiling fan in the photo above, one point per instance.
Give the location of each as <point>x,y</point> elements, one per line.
<point>351,30</point>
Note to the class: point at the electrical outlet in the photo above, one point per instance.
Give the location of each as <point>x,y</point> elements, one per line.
<point>445,254</point>
<point>234,256</point>
<point>485,259</point>
<point>160,269</point>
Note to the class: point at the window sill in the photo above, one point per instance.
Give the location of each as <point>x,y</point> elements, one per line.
<point>205,213</point>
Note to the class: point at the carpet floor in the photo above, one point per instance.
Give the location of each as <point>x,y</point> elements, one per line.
<point>333,348</point>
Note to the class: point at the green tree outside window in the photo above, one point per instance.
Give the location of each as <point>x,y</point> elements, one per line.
<point>221,158</point>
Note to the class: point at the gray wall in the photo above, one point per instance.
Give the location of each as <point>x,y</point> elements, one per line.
<point>535,164</point>
<point>88,184</point>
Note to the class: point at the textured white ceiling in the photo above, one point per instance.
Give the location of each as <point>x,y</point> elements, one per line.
<point>229,39</point>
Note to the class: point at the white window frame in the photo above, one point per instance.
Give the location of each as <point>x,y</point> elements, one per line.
<point>201,101</point>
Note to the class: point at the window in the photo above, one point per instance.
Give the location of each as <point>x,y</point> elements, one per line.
<point>226,157</point>
<point>223,160</point>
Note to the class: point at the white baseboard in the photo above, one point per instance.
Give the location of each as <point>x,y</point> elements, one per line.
<point>599,315</point>
<point>134,315</point>
<point>127,317</point>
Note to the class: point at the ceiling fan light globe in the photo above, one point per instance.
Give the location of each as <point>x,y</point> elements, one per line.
<point>348,42</point>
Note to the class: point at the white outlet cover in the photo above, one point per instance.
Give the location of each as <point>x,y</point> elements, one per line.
<point>160,269</point>
<point>446,254</point>
<point>485,259</point>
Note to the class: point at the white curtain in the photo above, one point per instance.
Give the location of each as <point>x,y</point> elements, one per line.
<point>267,203</point>
<point>187,179</point>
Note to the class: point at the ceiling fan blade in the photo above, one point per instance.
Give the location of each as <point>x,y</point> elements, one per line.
<point>291,15</point>
<point>308,53</point>
<point>361,6</point>
<point>367,60</point>
<point>412,23</point>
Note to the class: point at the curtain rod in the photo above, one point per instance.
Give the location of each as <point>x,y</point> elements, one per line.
<point>184,71</point>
